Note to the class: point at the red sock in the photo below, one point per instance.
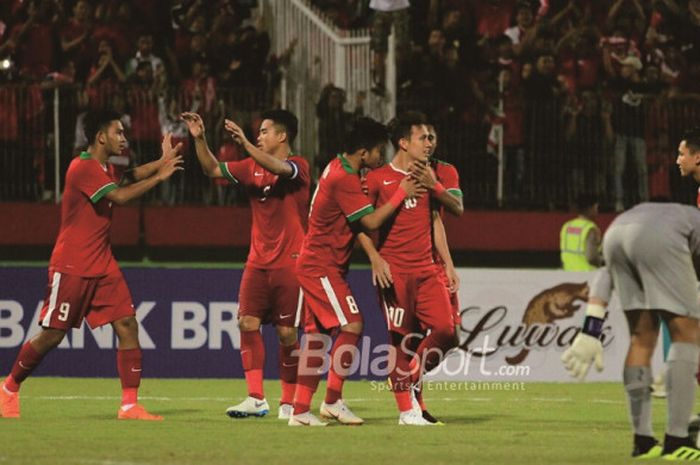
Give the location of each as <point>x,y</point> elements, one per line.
<point>289,361</point>
<point>435,346</point>
<point>308,375</point>
<point>403,400</point>
<point>253,358</point>
<point>27,360</point>
<point>342,356</point>
<point>129,368</point>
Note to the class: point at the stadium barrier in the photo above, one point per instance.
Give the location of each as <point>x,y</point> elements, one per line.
<point>515,324</point>
<point>191,226</point>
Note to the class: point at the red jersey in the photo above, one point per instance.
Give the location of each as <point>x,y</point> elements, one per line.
<point>337,202</point>
<point>447,175</point>
<point>405,240</point>
<point>278,206</point>
<point>82,247</point>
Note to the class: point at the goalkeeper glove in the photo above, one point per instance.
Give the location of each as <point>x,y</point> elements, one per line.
<point>587,347</point>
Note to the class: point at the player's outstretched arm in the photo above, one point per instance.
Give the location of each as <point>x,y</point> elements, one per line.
<point>381,271</point>
<point>149,169</point>
<point>425,175</point>
<point>209,163</point>
<point>267,161</point>
<point>409,187</point>
<point>440,238</point>
<point>122,195</point>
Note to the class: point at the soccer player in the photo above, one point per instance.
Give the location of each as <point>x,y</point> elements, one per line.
<point>85,281</point>
<point>277,183</point>
<point>338,210</point>
<point>688,159</point>
<point>418,299</point>
<point>651,252</point>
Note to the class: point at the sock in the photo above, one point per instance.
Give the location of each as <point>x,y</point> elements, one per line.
<point>643,444</point>
<point>680,386</point>
<point>288,372</point>
<point>311,360</point>
<point>27,360</point>
<point>129,368</point>
<point>402,375</point>
<point>253,358</point>
<point>403,400</point>
<point>637,382</point>
<point>342,357</point>
<point>671,443</point>
<point>434,347</point>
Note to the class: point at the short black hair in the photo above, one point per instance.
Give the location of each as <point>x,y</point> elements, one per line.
<point>366,133</point>
<point>285,119</point>
<point>98,120</point>
<point>400,127</point>
<point>586,201</point>
<point>692,139</point>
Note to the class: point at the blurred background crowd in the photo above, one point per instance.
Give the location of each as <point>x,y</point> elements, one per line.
<point>585,95</point>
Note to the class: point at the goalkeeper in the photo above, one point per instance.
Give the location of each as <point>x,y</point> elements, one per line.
<point>650,252</point>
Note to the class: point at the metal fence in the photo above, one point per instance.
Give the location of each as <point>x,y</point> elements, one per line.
<point>323,54</point>
<point>546,161</point>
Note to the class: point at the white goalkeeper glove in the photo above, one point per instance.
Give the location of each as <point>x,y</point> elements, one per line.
<point>586,348</point>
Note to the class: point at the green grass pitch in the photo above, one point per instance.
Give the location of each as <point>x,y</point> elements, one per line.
<point>72,421</point>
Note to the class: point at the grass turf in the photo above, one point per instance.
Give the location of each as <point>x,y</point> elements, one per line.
<point>72,421</point>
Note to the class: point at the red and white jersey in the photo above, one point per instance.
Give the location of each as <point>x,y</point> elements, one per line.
<point>405,240</point>
<point>82,247</point>
<point>448,176</point>
<point>337,202</point>
<point>279,207</point>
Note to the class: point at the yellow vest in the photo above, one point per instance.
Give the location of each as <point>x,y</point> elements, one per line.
<point>572,243</point>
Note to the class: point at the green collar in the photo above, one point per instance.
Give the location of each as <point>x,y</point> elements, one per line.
<point>85,156</point>
<point>346,164</point>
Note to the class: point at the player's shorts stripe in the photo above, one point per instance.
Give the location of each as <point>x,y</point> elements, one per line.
<point>457,192</point>
<point>333,299</point>
<point>295,169</point>
<point>300,305</point>
<point>102,191</point>
<point>52,298</point>
<point>357,214</point>
<point>227,174</point>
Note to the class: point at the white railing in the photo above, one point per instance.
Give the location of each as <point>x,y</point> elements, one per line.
<point>324,54</point>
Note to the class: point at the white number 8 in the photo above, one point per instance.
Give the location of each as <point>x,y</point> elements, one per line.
<point>352,304</point>
<point>63,311</point>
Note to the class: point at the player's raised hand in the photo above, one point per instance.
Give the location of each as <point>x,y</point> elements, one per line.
<point>195,124</point>
<point>236,132</point>
<point>168,151</point>
<point>424,174</point>
<point>170,166</point>
<point>412,188</point>
<point>584,351</point>
<point>381,273</point>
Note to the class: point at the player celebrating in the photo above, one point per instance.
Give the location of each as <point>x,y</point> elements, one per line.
<point>277,183</point>
<point>651,252</point>
<point>85,281</point>
<point>417,300</point>
<point>338,208</point>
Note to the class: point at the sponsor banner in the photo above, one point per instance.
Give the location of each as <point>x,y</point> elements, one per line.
<point>187,324</point>
<point>517,323</point>
<point>515,326</point>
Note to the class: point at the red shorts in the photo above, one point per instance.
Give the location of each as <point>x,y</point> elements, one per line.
<point>454,298</point>
<point>99,300</point>
<point>273,296</point>
<point>328,302</point>
<point>417,302</point>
